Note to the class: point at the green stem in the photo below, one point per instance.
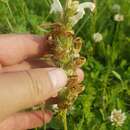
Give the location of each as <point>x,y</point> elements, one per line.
<point>65,119</point>
<point>45,127</point>
<point>10,11</point>
<point>68,2</point>
<point>82,25</point>
<point>10,25</point>
<point>65,15</point>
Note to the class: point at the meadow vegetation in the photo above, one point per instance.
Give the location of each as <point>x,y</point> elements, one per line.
<point>106,34</point>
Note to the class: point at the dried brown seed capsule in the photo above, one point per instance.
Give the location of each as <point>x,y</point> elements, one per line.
<point>57,29</point>
<point>72,80</point>
<point>56,25</point>
<point>46,25</point>
<point>79,61</point>
<point>64,105</point>
<point>73,77</point>
<point>69,33</point>
<point>77,44</point>
<point>80,88</point>
<point>72,96</point>
<point>77,89</point>
<point>59,54</point>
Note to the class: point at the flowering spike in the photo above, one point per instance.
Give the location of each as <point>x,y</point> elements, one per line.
<point>65,47</point>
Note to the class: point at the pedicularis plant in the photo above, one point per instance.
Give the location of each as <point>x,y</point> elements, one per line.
<point>65,49</point>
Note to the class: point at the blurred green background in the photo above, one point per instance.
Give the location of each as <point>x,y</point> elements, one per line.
<point>107,70</point>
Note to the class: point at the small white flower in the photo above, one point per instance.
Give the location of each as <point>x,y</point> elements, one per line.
<point>81,11</point>
<point>74,20</point>
<point>97,37</point>
<point>55,107</point>
<point>89,5</point>
<point>119,17</point>
<point>117,117</point>
<point>116,8</point>
<point>56,7</point>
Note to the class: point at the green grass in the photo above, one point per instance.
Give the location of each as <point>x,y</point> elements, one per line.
<point>107,70</point>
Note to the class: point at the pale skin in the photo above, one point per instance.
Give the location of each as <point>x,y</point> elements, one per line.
<point>19,71</point>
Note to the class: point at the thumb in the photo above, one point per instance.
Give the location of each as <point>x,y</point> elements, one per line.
<point>25,89</point>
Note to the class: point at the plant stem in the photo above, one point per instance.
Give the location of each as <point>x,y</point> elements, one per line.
<point>65,17</point>
<point>68,2</point>
<point>82,25</point>
<point>8,6</point>
<point>44,127</point>
<point>65,119</point>
<point>10,25</point>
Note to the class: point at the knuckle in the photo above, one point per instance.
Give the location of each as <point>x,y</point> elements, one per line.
<point>40,85</point>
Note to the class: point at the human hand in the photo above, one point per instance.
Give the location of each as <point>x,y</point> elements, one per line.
<point>25,81</point>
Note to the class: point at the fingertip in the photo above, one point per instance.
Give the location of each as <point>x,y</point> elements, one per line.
<point>58,78</point>
<point>80,74</point>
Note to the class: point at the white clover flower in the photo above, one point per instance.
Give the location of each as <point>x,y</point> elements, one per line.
<point>97,37</point>
<point>116,8</point>
<point>119,18</point>
<point>81,11</point>
<point>117,117</point>
<point>56,7</point>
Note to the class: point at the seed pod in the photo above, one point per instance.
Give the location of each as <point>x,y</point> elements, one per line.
<point>59,54</point>
<point>69,33</point>
<point>79,61</point>
<point>56,25</point>
<point>46,25</point>
<point>57,29</point>
<point>77,89</point>
<point>72,80</point>
<point>80,88</point>
<point>77,44</point>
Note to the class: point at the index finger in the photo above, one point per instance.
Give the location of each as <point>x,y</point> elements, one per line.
<point>15,48</point>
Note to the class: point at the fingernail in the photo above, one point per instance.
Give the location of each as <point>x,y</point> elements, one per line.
<point>58,78</point>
